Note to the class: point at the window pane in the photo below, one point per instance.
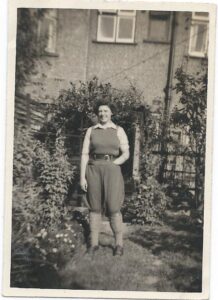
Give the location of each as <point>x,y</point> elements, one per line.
<point>44,30</point>
<point>199,38</point>
<point>47,31</point>
<point>125,30</point>
<point>159,30</point>
<point>43,34</point>
<point>107,24</point>
<point>51,36</point>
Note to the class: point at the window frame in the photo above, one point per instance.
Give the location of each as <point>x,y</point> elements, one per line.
<point>198,20</point>
<point>101,38</point>
<point>117,15</point>
<point>128,15</point>
<point>201,18</point>
<point>157,40</point>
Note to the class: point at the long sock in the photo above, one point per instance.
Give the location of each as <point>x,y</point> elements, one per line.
<point>116,222</point>
<point>95,223</point>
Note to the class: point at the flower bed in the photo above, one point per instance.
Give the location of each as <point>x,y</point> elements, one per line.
<point>48,249</point>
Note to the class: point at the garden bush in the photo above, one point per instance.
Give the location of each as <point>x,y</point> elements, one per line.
<point>40,218</point>
<point>54,174</point>
<point>147,205</point>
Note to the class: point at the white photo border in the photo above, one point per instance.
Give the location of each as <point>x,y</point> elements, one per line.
<point>12,22</point>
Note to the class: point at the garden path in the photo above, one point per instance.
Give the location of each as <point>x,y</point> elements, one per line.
<point>159,258</point>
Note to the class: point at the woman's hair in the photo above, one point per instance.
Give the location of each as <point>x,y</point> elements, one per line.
<point>104,101</point>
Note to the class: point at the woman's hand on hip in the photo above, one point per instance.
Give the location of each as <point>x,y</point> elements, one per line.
<point>83,184</point>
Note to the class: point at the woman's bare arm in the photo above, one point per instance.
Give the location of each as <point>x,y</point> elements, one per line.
<point>124,147</point>
<point>122,158</point>
<point>83,181</point>
<point>84,160</point>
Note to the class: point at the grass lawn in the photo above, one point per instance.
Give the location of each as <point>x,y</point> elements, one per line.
<point>163,258</point>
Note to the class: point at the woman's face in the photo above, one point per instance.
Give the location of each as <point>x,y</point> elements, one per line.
<point>104,114</point>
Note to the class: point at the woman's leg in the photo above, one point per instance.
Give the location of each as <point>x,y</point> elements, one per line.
<point>94,194</point>
<point>114,197</point>
<point>116,222</point>
<point>95,224</point>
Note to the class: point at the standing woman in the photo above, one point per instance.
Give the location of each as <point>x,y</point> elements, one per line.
<point>105,148</point>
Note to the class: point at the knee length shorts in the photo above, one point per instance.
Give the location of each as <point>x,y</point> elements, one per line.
<point>105,193</point>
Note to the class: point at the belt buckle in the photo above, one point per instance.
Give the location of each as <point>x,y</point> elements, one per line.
<point>107,157</point>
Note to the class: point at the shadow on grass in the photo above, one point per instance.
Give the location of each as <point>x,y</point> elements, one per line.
<point>184,223</point>
<point>184,275</point>
<point>168,241</point>
<point>178,235</point>
<point>179,245</point>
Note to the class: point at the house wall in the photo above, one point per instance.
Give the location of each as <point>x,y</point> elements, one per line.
<point>80,57</point>
<point>143,64</point>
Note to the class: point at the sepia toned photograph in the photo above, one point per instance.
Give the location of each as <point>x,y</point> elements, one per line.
<point>110,140</point>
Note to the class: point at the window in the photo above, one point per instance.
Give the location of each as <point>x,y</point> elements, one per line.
<point>116,26</point>
<point>47,32</point>
<point>198,44</point>
<point>159,26</point>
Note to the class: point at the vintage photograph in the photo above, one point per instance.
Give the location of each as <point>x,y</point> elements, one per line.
<point>109,149</point>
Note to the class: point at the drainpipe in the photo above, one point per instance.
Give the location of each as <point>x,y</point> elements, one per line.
<point>167,100</point>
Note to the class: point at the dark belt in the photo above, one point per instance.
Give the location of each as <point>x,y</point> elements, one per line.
<point>103,156</point>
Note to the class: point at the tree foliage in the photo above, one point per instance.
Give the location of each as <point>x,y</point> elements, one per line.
<point>27,50</point>
<point>82,98</point>
<point>190,116</point>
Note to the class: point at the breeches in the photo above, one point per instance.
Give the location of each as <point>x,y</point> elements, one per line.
<point>105,191</point>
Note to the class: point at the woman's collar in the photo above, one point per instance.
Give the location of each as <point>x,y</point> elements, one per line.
<point>107,125</point>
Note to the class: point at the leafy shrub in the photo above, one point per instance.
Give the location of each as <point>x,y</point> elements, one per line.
<point>24,147</point>
<point>41,181</point>
<point>54,175</point>
<point>147,204</point>
<point>181,195</point>
<point>26,206</point>
<point>40,188</point>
